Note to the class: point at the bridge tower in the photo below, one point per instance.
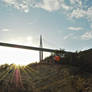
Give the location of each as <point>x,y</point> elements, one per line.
<point>41,52</point>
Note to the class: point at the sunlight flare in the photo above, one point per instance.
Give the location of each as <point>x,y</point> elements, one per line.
<point>17,56</point>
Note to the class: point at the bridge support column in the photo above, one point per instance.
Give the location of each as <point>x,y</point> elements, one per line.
<point>41,52</point>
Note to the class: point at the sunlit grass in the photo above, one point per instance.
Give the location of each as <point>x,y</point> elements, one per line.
<point>12,72</point>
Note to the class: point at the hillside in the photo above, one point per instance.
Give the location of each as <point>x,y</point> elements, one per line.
<point>71,76</point>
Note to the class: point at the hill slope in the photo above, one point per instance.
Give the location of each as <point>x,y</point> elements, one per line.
<point>48,78</point>
<point>70,76</point>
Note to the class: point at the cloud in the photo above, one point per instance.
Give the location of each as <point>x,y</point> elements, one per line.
<point>68,36</point>
<point>23,5</point>
<point>80,9</point>
<point>9,1</point>
<point>89,13</point>
<point>77,13</point>
<point>49,5</point>
<point>87,36</point>
<point>76,9</point>
<point>66,7</point>
<point>75,28</point>
<point>5,30</point>
<point>79,2</point>
<point>53,5</point>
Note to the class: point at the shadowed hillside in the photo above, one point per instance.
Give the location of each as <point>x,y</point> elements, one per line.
<point>73,74</point>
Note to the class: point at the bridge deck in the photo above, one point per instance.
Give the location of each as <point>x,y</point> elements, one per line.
<point>28,47</point>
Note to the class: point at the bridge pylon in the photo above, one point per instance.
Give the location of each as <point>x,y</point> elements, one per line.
<point>41,52</point>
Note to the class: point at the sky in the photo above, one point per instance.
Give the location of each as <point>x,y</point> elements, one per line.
<point>65,24</point>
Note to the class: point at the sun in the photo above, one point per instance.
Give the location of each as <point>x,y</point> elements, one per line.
<point>17,56</point>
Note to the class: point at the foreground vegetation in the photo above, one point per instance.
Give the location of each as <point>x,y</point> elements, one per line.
<point>74,74</point>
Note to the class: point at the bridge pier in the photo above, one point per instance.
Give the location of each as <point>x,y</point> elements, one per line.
<point>41,52</point>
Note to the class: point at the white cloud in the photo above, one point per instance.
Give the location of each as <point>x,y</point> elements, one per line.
<point>87,36</point>
<point>80,10</point>
<point>78,13</point>
<point>22,5</point>
<point>89,14</point>
<point>72,1</point>
<point>68,36</point>
<point>75,28</point>
<point>81,13</point>
<point>79,2</point>
<point>5,29</point>
<point>53,5</point>
<point>9,1</point>
<point>66,7</point>
<point>49,5</point>
<point>74,10</point>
